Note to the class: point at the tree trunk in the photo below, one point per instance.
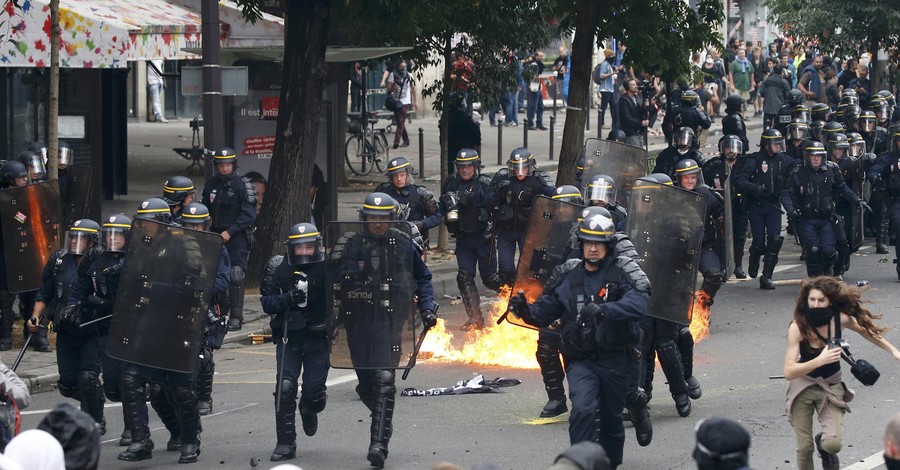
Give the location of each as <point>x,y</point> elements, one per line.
<point>53,125</point>
<point>587,16</point>
<point>443,236</point>
<point>287,200</point>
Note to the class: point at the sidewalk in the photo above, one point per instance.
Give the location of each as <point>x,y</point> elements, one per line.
<point>152,161</point>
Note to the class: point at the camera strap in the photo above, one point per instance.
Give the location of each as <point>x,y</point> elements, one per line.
<point>845,352</point>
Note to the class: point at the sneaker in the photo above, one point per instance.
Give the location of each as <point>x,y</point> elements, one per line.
<point>829,461</point>
<point>513,124</point>
<point>543,128</point>
<point>396,145</point>
<point>405,144</point>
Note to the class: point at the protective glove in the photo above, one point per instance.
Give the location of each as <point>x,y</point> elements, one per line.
<point>518,304</point>
<point>429,318</point>
<point>591,314</point>
<point>794,214</point>
<point>112,271</point>
<point>97,302</point>
<point>865,206</point>
<point>69,312</point>
<point>614,293</point>
<point>297,297</point>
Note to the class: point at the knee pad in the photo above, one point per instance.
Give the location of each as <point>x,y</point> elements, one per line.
<point>314,404</point>
<point>546,349</point>
<point>237,275</point>
<point>464,280</point>
<point>635,400</point>
<point>89,381</point>
<point>383,382</point>
<point>69,391</point>
<point>774,244</point>
<point>685,340</point>
<point>492,281</point>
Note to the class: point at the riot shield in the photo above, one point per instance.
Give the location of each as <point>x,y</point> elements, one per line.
<point>162,303</point>
<point>77,194</point>
<point>372,321</point>
<point>548,242</point>
<point>623,162</point>
<point>862,188</point>
<point>665,223</point>
<point>31,220</point>
<point>725,237</point>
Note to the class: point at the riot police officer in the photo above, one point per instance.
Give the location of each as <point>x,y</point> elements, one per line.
<point>178,192</point>
<point>358,255</point>
<point>689,177</point>
<point>293,293</point>
<point>78,350</point>
<point>887,168</point>
<point>876,136</point>
<point>512,190</point>
<point>37,172</point>
<point>786,112</point>
<point>820,112</point>
<point>691,115</point>
<point>416,201</point>
<point>599,301</point>
<point>733,122</point>
<point>798,132</point>
<point>808,197</point>
<point>601,191</point>
<point>13,173</point>
<point>717,172</point>
<point>761,178</point>
<point>815,130</point>
<point>845,151</point>
<point>464,208</point>
<point>231,200</point>
<point>683,147</point>
<point>882,111</point>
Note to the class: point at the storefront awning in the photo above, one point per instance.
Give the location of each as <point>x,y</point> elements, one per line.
<point>109,33</point>
<point>333,54</point>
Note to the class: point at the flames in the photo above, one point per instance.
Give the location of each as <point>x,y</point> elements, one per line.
<point>499,345</point>
<point>700,316</point>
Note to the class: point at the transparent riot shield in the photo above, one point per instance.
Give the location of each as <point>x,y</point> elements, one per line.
<point>665,223</point>
<point>32,220</point>
<point>725,238</point>
<point>372,321</point>
<point>549,240</point>
<point>76,193</point>
<point>623,162</point>
<point>863,190</point>
<point>162,303</point>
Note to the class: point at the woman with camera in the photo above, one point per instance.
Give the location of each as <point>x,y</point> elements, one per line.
<point>825,306</point>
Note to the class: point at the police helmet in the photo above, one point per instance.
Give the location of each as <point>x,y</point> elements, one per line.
<point>521,161</point>
<point>593,211</point>
<point>839,112</point>
<point>849,96</point>
<point>731,145</point>
<point>688,166</point>
<point>35,165</point>
<point>579,169</point>
<point>616,135</point>
<point>734,102</point>
<point>815,129</point>
<point>772,140</point>
<point>888,96</point>
<point>177,189</point>
<point>596,229</point>
<point>684,137</point>
<point>820,112</point>
<point>851,113</point>
<point>600,188</point>
<point>568,193</point>
<point>10,171</point>
<point>868,121</point>
<point>798,129</point>
<point>832,127</point>
<point>156,209</point>
<point>795,97</point>
<point>690,98</point>
<point>880,108</point>
<point>64,152</point>
<point>85,230</point>
<point>468,156</point>
<point>378,204</point>
<point>196,216</point>
<point>304,245</point>
<point>814,149</point>
<point>857,144</point>
<point>225,155</point>
<point>114,227</point>
<point>398,165</point>
<point>40,148</point>
<point>661,178</point>
<point>838,145</point>
<point>801,113</point>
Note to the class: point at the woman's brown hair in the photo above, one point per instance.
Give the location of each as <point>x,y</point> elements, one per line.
<point>843,298</point>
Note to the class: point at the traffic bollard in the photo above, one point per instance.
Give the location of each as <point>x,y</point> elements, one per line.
<point>499,142</point>
<point>422,154</point>
<point>552,126</point>
<point>599,124</point>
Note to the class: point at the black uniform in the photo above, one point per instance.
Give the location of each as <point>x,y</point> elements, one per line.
<point>783,118</point>
<point>669,157</point>
<point>843,222</point>
<point>887,167</point>
<point>423,209</point>
<point>598,358</point>
<point>299,334</point>
<point>709,264</point>
<point>472,231</point>
<point>733,124</point>
<point>693,118</point>
<point>215,335</point>
<point>879,224</point>
<point>232,205</point>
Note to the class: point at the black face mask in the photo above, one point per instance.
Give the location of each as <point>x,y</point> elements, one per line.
<point>817,317</point>
<point>891,464</point>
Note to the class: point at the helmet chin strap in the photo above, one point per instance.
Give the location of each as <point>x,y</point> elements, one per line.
<point>594,261</point>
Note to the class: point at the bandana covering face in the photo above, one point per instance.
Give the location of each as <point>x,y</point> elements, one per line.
<point>817,317</point>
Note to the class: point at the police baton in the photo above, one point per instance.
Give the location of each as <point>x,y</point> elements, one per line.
<point>412,360</point>
<point>96,320</point>
<point>27,342</point>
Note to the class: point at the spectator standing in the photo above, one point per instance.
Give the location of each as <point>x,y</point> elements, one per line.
<point>775,89</point>
<point>848,74</point>
<point>787,68</point>
<point>712,78</point>
<point>741,75</point>
<point>462,76</point>
<point>535,92</point>
<point>401,81</point>
<point>607,74</point>
<point>631,116</point>
<point>812,81</point>
<point>561,66</point>
<point>356,87</point>
<point>760,71</point>
<point>155,85</point>
<point>863,86</point>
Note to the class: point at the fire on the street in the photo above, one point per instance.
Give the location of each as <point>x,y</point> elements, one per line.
<point>501,345</point>
<point>700,317</point>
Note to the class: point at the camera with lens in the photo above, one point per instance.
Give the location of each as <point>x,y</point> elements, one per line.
<point>647,89</point>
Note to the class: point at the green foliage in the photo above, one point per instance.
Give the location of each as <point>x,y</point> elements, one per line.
<point>250,9</point>
<point>839,27</point>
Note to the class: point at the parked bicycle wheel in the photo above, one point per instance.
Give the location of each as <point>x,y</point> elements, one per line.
<point>382,150</point>
<point>358,158</point>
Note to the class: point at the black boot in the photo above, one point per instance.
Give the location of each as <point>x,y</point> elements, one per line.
<point>670,360</point>
<point>636,406</point>
<point>134,413</point>
<point>753,256</point>
<point>813,262</point>
<point>285,422</point>
<point>204,382</point>
<point>883,237</point>
<point>309,410</point>
<point>686,348</point>
<point>184,400</point>
<point>739,260</point>
<point>382,418</point>
<point>829,461</point>
<point>508,278</point>
<point>92,398</point>
<point>125,438</point>
<point>773,247</point>
<point>236,299</point>
<point>137,451</point>
<point>553,374</point>
<point>492,281</point>
<point>161,402</point>
<point>471,300</point>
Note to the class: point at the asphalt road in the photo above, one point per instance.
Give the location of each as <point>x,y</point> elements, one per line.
<point>734,365</point>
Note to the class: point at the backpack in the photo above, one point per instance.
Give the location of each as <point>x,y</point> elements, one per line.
<point>595,75</point>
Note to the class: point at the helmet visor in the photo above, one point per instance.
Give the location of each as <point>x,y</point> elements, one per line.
<point>801,115</point>
<point>867,125</point>
<point>600,191</point>
<point>311,251</point>
<point>196,224</point>
<point>814,158</point>
<point>857,148</point>
<point>797,131</point>
<point>684,138</point>
<point>732,147</point>
<point>115,239</point>
<point>837,152</point>
<point>79,241</point>
<point>36,169</point>
<point>66,156</point>
<point>882,113</point>
<point>776,145</point>
<point>520,167</point>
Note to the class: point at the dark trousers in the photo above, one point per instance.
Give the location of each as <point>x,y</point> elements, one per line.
<point>112,373</point>
<point>598,387</point>
<point>473,250</point>
<point>894,211</point>
<point>765,221</point>
<point>606,99</point>
<point>400,132</point>
<point>75,354</point>
<point>306,355</point>
<point>535,105</point>
<point>507,241</point>
<point>818,232</point>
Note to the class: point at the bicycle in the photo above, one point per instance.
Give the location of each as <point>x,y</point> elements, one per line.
<point>367,147</point>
